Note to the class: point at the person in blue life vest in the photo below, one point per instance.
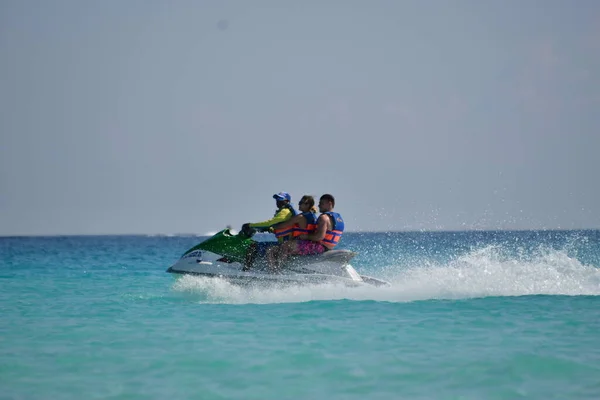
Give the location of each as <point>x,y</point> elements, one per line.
<point>303,223</point>
<point>284,212</point>
<point>327,234</point>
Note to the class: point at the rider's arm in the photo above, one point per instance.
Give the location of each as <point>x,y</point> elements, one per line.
<point>281,216</point>
<point>290,222</point>
<point>319,233</point>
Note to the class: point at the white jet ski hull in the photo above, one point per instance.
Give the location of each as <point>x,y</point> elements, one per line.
<point>304,270</point>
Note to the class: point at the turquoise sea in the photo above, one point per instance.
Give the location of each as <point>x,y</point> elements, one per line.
<point>469,315</point>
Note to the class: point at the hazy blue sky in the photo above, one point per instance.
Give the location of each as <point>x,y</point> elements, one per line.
<point>185,116</point>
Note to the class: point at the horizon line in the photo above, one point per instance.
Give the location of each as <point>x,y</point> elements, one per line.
<point>188,234</point>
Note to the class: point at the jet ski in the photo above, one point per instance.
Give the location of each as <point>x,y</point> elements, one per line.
<point>223,256</point>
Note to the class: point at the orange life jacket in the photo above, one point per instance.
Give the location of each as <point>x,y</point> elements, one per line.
<point>311,225</point>
<point>333,236</point>
<point>284,234</point>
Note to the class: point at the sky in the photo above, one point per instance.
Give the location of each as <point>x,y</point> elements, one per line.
<point>166,117</point>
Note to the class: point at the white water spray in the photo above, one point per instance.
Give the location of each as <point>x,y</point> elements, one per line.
<point>480,273</point>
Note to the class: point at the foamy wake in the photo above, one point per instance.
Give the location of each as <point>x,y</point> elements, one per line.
<point>480,273</point>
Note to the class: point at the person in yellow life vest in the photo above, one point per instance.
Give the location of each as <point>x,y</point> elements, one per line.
<point>284,212</point>
<point>302,223</point>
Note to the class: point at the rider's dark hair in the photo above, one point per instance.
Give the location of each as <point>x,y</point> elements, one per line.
<point>328,197</point>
